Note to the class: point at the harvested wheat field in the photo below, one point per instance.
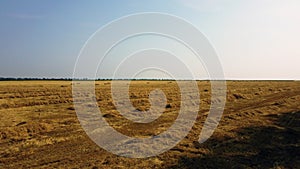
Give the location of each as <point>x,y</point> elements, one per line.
<point>259,128</point>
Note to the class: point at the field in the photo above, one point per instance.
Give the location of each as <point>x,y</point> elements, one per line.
<point>259,128</point>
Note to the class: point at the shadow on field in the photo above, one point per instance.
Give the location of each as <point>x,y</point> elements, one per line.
<point>275,146</point>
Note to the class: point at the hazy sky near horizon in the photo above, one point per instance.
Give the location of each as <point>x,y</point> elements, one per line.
<point>257,39</point>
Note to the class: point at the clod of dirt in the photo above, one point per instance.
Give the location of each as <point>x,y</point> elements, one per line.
<point>19,124</point>
<point>133,96</point>
<point>108,116</point>
<point>276,104</point>
<point>168,106</point>
<point>70,108</point>
<point>238,96</point>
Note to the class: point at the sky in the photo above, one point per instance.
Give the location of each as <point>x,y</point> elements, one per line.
<point>257,39</point>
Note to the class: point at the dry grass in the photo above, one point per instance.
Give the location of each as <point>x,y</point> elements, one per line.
<point>259,128</point>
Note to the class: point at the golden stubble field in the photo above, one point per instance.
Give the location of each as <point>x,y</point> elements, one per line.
<point>259,128</point>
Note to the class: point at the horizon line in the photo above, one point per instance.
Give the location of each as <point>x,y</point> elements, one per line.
<point>130,79</point>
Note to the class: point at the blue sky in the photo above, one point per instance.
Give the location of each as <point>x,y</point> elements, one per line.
<point>257,39</point>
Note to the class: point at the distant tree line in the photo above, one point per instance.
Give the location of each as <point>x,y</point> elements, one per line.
<point>109,79</point>
<point>70,79</point>
<point>31,78</point>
